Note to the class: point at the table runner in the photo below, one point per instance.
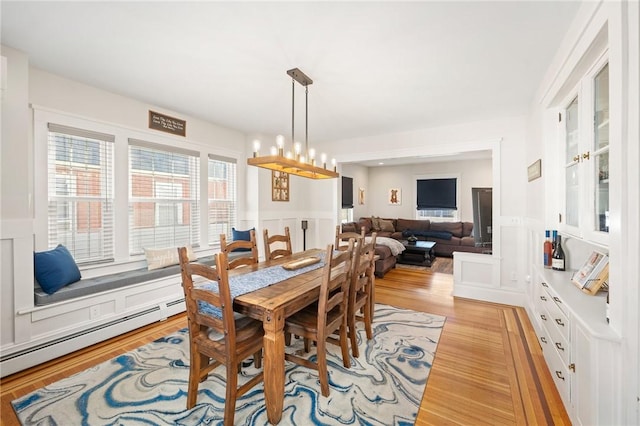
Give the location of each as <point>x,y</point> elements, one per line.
<point>252,281</point>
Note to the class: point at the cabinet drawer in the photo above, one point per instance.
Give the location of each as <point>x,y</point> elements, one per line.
<point>558,341</point>
<point>560,374</point>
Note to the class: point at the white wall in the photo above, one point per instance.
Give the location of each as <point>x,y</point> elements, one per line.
<point>471,174</point>
<point>360,175</point>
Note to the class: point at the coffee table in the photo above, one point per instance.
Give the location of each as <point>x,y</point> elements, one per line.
<point>419,253</point>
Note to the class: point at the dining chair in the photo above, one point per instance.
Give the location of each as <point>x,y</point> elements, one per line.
<point>343,237</point>
<point>318,321</point>
<point>360,306</point>
<point>217,336</point>
<point>273,245</point>
<point>242,246</point>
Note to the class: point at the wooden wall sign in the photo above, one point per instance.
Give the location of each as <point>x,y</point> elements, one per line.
<point>164,123</point>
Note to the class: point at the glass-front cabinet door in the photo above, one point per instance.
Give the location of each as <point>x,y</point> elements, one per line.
<point>585,126</point>
<point>572,162</point>
<point>601,149</point>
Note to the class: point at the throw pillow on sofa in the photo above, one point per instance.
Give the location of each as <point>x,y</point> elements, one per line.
<point>454,227</point>
<point>386,225</point>
<point>55,269</point>
<point>375,223</point>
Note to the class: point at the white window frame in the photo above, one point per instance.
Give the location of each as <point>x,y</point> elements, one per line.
<point>82,244</point>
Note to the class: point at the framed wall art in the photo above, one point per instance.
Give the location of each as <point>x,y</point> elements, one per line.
<point>279,186</point>
<point>395,196</point>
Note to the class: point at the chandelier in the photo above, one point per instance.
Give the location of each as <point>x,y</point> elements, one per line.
<point>295,162</point>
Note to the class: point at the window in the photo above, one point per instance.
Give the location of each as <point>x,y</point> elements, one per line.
<point>80,192</point>
<point>222,199</point>
<point>437,198</point>
<point>164,197</point>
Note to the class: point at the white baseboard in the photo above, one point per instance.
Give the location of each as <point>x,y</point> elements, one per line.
<point>505,297</point>
<point>46,352</point>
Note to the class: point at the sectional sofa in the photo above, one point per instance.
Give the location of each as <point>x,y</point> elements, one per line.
<point>448,236</point>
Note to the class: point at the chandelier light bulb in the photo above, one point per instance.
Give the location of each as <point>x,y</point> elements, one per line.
<point>256,147</point>
<point>289,155</point>
<point>280,144</point>
<point>323,159</point>
<point>274,150</point>
<point>333,163</point>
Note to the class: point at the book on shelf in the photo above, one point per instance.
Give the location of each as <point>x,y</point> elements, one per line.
<point>593,273</point>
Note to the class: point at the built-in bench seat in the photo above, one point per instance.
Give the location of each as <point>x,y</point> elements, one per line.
<point>88,286</point>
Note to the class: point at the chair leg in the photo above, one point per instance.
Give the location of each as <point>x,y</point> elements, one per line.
<point>367,320</point>
<point>353,334</point>
<point>194,378</point>
<point>344,345</point>
<point>232,392</point>
<point>287,339</point>
<point>257,359</point>
<point>307,345</point>
<point>323,373</point>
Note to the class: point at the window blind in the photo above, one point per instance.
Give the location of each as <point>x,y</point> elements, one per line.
<point>222,197</point>
<point>436,194</point>
<point>80,192</point>
<point>347,192</point>
<point>164,196</point>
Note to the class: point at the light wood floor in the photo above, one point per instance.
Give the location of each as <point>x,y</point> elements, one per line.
<point>488,367</point>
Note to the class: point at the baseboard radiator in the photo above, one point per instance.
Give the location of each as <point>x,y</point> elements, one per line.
<point>17,361</point>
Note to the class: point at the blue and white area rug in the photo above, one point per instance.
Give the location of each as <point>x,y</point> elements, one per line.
<point>384,386</point>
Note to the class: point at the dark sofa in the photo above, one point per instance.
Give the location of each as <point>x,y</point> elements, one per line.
<point>448,236</point>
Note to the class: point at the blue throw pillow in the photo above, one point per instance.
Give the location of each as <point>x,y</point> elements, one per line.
<point>55,268</point>
<point>242,236</point>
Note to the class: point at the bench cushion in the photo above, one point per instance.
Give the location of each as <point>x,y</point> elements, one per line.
<point>94,285</point>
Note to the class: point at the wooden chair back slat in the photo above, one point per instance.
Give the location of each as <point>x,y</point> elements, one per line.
<point>273,245</point>
<point>252,254</point>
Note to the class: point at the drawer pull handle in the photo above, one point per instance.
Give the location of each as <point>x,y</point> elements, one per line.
<point>543,339</point>
<point>559,322</point>
<point>559,374</point>
<point>559,346</point>
<point>544,285</point>
<point>544,317</point>
<point>557,299</point>
<point>572,367</point>
<point>543,298</point>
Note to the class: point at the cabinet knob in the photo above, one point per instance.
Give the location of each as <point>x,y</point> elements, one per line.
<point>559,374</point>
<point>557,299</point>
<point>572,367</point>
<point>544,285</point>
<point>559,346</point>
<point>543,316</point>
<point>576,158</point>
<point>559,322</point>
<point>543,298</point>
<point>586,155</point>
<point>543,339</point>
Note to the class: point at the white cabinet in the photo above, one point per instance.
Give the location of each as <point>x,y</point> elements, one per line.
<point>584,126</point>
<point>581,351</point>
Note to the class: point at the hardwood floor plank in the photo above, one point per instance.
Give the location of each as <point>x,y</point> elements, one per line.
<point>488,368</point>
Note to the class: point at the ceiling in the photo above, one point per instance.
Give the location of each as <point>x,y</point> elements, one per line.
<point>377,67</point>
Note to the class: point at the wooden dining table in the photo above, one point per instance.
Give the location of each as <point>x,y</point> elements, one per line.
<point>272,305</point>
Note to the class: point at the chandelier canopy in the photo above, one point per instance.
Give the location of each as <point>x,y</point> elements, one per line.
<point>295,161</point>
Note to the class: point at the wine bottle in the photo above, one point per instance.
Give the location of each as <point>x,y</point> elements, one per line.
<point>554,237</point>
<point>557,258</point>
<point>547,249</point>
